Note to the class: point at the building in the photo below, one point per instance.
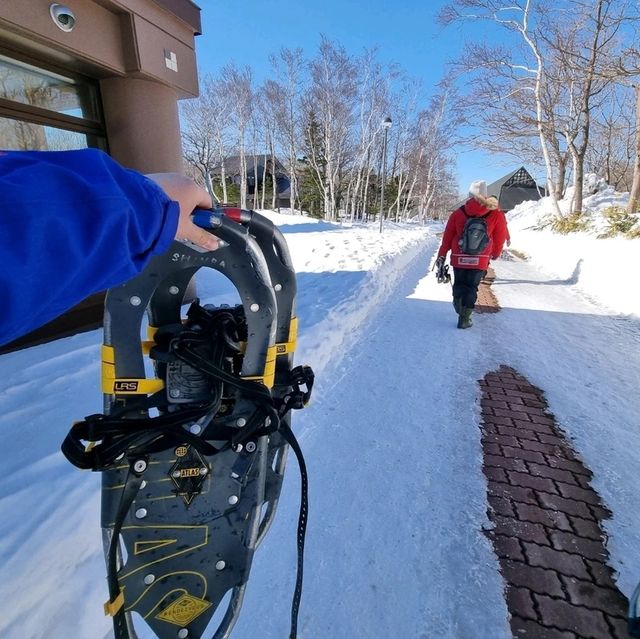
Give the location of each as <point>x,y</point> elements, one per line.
<point>258,168</point>
<point>96,73</point>
<point>514,188</point>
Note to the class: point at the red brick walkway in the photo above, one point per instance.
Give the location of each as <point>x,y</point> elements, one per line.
<point>546,517</point>
<point>487,302</point>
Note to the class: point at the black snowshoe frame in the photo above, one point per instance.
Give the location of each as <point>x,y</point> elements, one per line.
<point>189,494</point>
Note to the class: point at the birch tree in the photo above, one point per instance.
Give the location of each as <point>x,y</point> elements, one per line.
<point>516,19</point>
<point>583,46</point>
<point>330,98</point>
<point>285,92</point>
<point>205,133</point>
<point>237,84</point>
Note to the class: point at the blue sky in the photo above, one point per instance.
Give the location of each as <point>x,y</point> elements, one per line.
<point>405,32</point>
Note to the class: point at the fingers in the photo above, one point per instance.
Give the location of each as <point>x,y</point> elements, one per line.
<point>187,230</point>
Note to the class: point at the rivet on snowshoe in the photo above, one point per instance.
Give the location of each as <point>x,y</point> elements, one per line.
<point>183,633</point>
<point>241,421</point>
<point>277,287</point>
<point>220,565</point>
<point>174,290</point>
<point>233,499</point>
<point>141,513</point>
<point>149,579</point>
<point>134,300</point>
<point>251,447</point>
<point>255,308</point>
<point>195,429</point>
<point>174,392</point>
<point>140,466</point>
<point>204,471</point>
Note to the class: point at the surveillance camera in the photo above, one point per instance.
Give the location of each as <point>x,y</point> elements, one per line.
<point>63,17</point>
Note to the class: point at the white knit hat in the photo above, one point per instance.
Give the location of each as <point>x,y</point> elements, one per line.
<point>478,188</point>
<point>478,191</point>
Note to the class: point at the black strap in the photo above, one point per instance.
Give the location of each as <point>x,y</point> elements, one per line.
<point>132,486</point>
<point>290,438</point>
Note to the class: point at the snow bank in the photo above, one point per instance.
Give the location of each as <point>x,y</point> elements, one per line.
<point>600,268</point>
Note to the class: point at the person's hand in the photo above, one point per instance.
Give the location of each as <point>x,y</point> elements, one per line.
<point>440,262</point>
<point>189,196</point>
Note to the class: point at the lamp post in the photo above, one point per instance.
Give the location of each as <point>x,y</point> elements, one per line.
<point>386,124</point>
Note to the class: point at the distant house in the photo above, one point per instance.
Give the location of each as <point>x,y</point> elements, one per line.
<point>265,166</point>
<point>514,188</point>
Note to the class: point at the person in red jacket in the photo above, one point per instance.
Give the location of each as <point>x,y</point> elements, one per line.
<point>468,270</point>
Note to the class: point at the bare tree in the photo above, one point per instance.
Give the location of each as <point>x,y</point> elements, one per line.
<point>330,98</point>
<point>205,133</point>
<point>612,148</point>
<point>528,71</point>
<point>285,94</point>
<point>373,85</point>
<point>238,86</point>
<point>583,46</point>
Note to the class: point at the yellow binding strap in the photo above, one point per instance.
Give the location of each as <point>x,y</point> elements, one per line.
<point>111,608</point>
<point>268,378</point>
<point>111,385</point>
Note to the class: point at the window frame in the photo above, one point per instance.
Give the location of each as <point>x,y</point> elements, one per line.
<point>95,130</point>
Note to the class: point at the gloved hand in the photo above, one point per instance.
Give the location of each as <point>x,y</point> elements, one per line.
<point>508,243</point>
<point>442,271</point>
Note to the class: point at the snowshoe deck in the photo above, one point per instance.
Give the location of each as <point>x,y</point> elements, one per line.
<point>193,456</point>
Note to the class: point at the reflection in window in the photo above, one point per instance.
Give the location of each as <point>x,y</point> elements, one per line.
<point>17,135</point>
<point>21,82</point>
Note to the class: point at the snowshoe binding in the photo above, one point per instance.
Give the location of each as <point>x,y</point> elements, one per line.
<point>193,455</point>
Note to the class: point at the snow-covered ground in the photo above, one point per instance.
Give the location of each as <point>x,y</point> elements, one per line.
<point>395,545</point>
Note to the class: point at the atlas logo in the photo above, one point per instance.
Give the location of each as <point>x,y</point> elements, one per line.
<point>189,472</point>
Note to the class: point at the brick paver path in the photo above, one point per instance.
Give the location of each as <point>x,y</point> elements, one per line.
<point>546,516</point>
<point>487,302</point>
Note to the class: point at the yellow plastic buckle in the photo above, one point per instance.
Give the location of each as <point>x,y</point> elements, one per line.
<point>111,608</point>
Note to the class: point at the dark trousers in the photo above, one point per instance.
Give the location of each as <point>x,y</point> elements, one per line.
<point>465,285</point>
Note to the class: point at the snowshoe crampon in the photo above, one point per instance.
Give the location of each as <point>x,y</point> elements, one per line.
<point>195,432</point>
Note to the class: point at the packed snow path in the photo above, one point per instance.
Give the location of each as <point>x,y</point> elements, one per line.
<point>398,500</point>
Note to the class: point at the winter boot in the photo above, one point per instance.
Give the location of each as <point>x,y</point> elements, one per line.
<point>464,320</point>
<point>457,304</point>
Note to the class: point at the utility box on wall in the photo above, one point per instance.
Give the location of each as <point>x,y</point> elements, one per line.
<point>96,73</point>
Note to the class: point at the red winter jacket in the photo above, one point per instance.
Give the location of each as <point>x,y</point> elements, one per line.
<point>496,228</point>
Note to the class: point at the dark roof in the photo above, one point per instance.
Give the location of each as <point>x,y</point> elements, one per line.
<point>520,177</point>
<point>232,164</point>
<point>513,188</point>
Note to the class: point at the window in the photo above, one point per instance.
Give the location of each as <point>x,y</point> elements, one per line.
<point>46,111</point>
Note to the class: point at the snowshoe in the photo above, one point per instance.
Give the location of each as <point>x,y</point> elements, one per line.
<point>193,455</point>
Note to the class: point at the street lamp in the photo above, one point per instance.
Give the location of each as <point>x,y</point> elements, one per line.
<point>386,124</point>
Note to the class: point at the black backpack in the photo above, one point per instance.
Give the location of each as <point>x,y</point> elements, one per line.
<point>475,237</point>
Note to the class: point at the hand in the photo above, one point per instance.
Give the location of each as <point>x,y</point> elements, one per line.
<point>189,196</point>
<point>508,243</point>
<point>440,262</point>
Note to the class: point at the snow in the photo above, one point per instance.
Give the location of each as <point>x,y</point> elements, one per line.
<point>395,545</point>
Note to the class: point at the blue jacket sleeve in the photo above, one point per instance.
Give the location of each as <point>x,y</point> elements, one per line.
<point>72,223</point>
